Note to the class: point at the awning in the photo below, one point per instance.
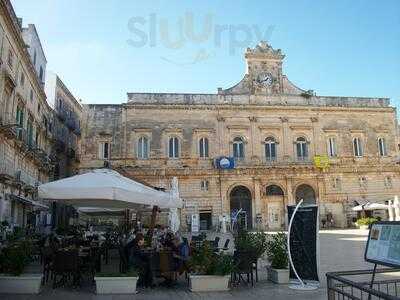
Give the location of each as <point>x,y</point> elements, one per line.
<point>107,189</point>
<point>100,211</point>
<point>26,201</point>
<point>370,206</point>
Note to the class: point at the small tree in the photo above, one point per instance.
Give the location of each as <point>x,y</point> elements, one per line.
<point>277,251</point>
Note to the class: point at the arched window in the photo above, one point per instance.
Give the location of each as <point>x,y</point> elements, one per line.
<point>301,148</point>
<point>203,147</point>
<point>143,148</point>
<point>332,147</point>
<point>273,190</point>
<point>270,148</point>
<point>357,147</point>
<point>173,147</point>
<point>238,148</point>
<point>382,147</point>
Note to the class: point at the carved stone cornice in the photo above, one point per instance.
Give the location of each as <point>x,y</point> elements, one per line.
<point>314,119</point>
<point>284,119</point>
<point>220,119</point>
<point>263,50</point>
<point>244,127</point>
<point>253,119</point>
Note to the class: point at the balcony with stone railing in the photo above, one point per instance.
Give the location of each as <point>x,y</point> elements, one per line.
<point>7,170</point>
<point>8,125</point>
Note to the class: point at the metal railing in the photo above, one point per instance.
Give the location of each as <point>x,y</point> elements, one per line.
<point>355,285</point>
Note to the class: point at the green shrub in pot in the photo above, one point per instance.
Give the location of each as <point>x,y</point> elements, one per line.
<point>252,242</point>
<point>206,262</point>
<point>366,221</point>
<point>277,250</point>
<point>15,257</point>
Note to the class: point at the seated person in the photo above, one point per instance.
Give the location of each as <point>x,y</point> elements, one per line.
<point>141,262</point>
<point>181,255</point>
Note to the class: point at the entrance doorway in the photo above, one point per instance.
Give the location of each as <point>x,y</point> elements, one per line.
<point>275,207</point>
<point>240,202</point>
<point>205,220</point>
<point>306,193</point>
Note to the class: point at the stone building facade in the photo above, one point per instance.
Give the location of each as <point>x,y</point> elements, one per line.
<point>25,119</point>
<point>66,120</point>
<point>274,131</point>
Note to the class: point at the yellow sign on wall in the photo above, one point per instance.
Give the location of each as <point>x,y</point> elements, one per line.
<point>321,161</point>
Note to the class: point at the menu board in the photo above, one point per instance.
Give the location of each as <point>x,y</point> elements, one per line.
<point>383,246</point>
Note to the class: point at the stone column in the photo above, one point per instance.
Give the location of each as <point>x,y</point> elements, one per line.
<point>257,200</point>
<point>317,146</point>
<point>286,141</point>
<point>221,135</point>
<point>253,121</point>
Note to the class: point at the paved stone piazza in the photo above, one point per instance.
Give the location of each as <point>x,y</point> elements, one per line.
<point>340,250</point>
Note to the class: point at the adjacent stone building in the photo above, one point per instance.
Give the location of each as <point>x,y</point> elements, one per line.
<point>25,119</point>
<point>66,120</point>
<point>287,143</point>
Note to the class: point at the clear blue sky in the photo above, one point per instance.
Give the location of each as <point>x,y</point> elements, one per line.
<point>344,48</point>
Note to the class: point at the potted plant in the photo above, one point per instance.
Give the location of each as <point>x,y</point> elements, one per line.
<point>278,271</point>
<point>210,271</point>
<point>364,223</point>
<point>116,283</point>
<point>13,260</point>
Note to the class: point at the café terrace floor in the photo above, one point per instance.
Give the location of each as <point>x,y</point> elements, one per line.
<point>340,250</point>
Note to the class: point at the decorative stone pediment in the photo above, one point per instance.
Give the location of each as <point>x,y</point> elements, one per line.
<point>263,50</point>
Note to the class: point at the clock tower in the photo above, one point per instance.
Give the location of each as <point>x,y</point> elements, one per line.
<point>264,69</point>
<point>263,75</point>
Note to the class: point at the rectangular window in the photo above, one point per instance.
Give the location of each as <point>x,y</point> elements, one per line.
<point>388,182</point>
<point>104,150</point>
<point>332,147</point>
<point>22,79</point>
<point>302,151</point>
<point>336,183</point>
<point>363,182</point>
<point>30,132</point>
<point>357,147</point>
<point>270,151</point>
<point>10,58</point>
<point>204,185</point>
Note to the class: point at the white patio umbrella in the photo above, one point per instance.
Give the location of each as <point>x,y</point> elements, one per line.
<point>173,216</point>
<point>370,206</point>
<point>106,188</point>
<point>390,211</point>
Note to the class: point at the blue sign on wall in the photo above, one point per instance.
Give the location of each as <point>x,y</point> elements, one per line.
<point>225,162</point>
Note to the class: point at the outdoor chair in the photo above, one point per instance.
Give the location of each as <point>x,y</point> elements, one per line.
<point>66,266</point>
<point>216,243</point>
<point>226,245</point>
<point>123,259</point>
<point>47,257</point>
<point>243,262</point>
<point>167,265</point>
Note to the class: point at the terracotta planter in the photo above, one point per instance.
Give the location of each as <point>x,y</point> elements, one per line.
<point>23,284</point>
<point>116,285</point>
<point>208,283</point>
<point>280,276</point>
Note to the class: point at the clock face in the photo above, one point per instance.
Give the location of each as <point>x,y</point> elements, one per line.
<point>265,79</point>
